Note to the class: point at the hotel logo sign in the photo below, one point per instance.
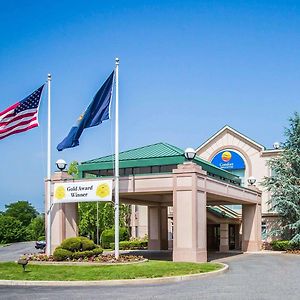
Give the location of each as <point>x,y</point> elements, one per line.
<point>228,160</point>
<point>100,190</point>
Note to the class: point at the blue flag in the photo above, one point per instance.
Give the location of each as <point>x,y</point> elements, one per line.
<point>97,111</point>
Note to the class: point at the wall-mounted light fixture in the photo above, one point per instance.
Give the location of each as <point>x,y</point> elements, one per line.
<point>251,180</point>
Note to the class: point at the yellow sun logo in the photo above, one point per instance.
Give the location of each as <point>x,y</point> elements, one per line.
<point>226,156</point>
<point>60,192</point>
<point>103,190</point>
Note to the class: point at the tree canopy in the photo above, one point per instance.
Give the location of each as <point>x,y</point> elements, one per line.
<point>88,217</point>
<point>11,230</point>
<point>22,211</point>
<point>284,183</point>
<point>73,168</point>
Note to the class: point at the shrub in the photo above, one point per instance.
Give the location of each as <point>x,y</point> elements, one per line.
<point>42,238</point>
<point>62,254</point>
<point>88,253</point>
<point>280,245</point>
<point>76,244</point>
<point>82,254</point>
<point>75,248</point>
<point>72,244</point>
<point>97,251</point>
<point>131,245</point>
<point>108,236</point>
<point>87,244</point>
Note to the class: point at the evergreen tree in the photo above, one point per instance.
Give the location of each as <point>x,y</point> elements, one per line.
<point>284,183</point>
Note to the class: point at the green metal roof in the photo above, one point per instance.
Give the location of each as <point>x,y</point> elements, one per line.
<point>154,155</point>
<point>222,212</point>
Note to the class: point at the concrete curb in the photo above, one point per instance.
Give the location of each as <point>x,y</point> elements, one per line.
<point>159,280</point>
<point>6,245</point>
<point>266,252</point>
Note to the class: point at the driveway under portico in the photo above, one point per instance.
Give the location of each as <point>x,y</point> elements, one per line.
<point>189,190</point>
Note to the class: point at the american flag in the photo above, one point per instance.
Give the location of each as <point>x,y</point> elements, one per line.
<point>21,116</point>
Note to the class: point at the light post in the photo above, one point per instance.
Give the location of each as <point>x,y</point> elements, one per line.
<point>189,154</point>
<point>61,164</point>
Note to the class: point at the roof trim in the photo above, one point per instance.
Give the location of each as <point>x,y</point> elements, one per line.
<point>227,127</point>
<point>175,159</point>
<point>271,152</point>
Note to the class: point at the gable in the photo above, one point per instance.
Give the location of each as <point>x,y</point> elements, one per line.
<point>228,138</point>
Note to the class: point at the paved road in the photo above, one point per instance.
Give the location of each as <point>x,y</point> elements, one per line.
<point>14,251</point>
<point>255,276</point>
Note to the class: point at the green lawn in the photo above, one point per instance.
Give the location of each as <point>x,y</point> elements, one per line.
<point>150,269</point>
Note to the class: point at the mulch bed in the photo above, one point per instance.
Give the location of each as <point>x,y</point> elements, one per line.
<point>293,251</point>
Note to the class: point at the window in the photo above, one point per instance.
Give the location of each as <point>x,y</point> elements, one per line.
<point>128,171</point>
<point>155,169</point>
<point>263,230</point>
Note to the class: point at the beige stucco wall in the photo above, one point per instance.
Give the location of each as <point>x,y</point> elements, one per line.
<point>254,155</point>
<point>139,221</point>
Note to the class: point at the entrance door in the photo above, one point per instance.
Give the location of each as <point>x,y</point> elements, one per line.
<point>213,237</point>
<point>231,236</point>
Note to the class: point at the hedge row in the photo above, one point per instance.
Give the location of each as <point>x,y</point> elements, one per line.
<point>284,245</point>
<point>130,245</point>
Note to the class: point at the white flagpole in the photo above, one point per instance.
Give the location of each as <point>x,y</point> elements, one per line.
<point>48,236</point>
<point>117,164</point>
<point>97,223</point>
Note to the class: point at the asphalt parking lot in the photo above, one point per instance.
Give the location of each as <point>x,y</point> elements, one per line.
<point>14,251</point>
<point>250,276</point>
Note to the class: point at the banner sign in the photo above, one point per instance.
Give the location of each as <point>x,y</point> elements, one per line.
<point>228,160</point>
<point>100,190</point>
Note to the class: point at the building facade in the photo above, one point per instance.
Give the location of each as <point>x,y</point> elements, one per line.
<point>236,153</point>
<point>188,202</point>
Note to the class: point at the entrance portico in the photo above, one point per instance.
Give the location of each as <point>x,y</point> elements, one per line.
<point>189,190</point>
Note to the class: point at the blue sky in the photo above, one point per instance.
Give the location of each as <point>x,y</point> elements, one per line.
<point>187,68</point>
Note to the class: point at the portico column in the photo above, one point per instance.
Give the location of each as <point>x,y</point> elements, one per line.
<point>251,230</point>
<point>157,227</point>
<point>64,217</point>
<point>189,214</point>
<point>224,238</point>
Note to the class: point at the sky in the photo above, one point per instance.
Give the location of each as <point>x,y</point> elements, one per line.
<point>187,68</point>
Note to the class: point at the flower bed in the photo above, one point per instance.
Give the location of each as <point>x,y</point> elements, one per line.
<point>103,258</point>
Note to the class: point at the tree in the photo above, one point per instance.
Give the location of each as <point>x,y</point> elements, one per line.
<point>11,230</point>
<point>284,184</point>
<point>88,217</point>
<point>36,228</point>
<point>22,211</point>
<point>73,168</point>
<point>88,213</point>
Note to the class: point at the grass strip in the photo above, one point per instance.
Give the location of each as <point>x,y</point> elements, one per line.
<point>150,269</point>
